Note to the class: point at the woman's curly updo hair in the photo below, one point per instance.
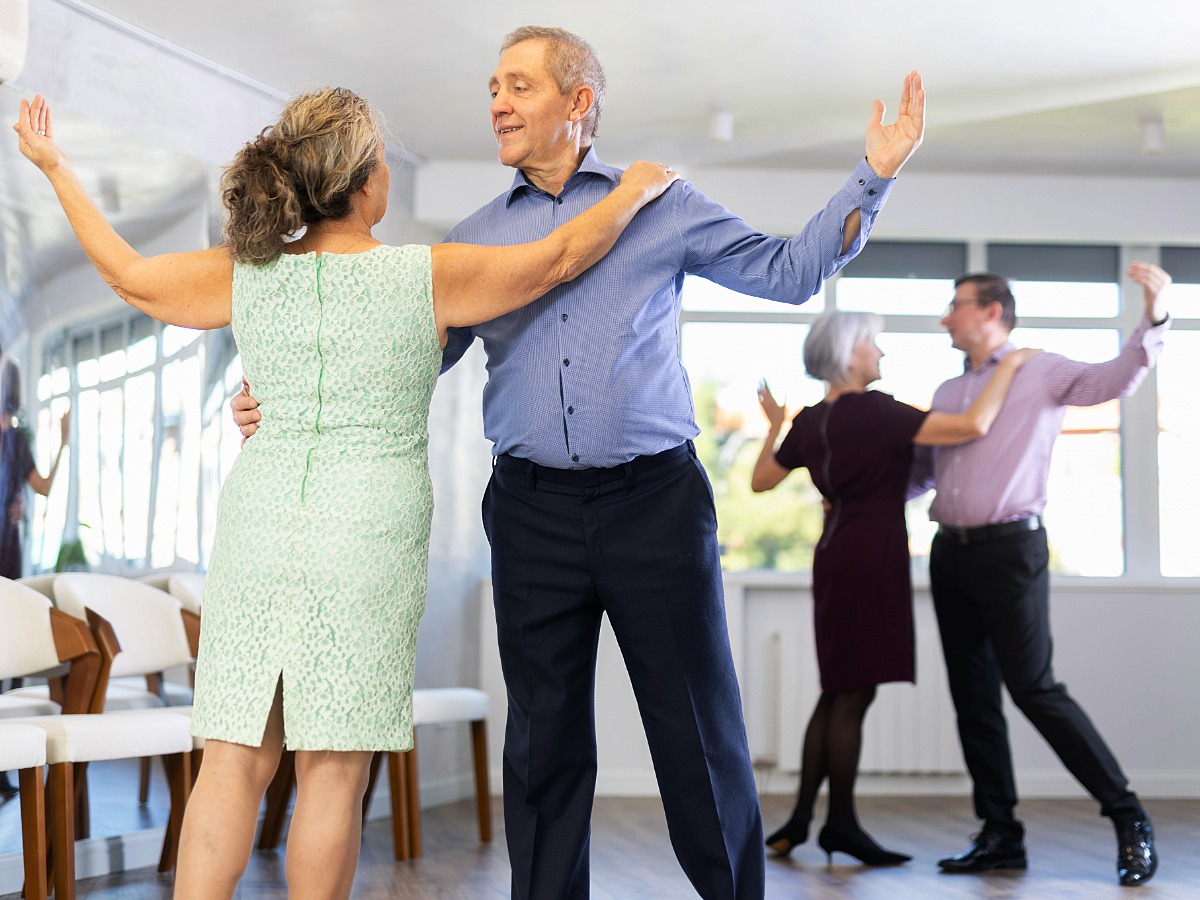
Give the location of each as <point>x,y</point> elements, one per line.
<point>302,170</point>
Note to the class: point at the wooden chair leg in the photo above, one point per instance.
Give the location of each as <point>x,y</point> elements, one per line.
<point>144,781</point>
<point>483,787</point>
<point>83,814</point>
<point>414,801</point>
<point>372,777</point>
<point>278,795</point>
<point>179,779</point>
<point>33,832</point>
<point>60,813</point>
<point>398,784</point>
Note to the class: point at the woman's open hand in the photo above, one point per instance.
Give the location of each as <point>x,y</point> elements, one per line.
<point>775,413</point>
<point>651,177</point>
<point>35,127</point>
<point>1018,358</point>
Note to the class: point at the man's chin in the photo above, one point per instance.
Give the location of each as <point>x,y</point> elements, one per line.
<point>511,157</point>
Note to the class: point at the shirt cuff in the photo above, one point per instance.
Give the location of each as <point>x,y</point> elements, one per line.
<point>867,190</point>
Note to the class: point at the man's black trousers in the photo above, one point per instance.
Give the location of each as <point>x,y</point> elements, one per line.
<point>993,607</point>
<point>639,544</point>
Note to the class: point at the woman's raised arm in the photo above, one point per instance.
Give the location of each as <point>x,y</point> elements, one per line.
<point>474,284</point>
<point>194,290</point>
<point>942,429</point>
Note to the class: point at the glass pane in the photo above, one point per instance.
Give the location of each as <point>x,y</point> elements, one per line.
<point>112,433</point>
<point>1178,450</point>
<point>1084,512</point>
<point>44,388</point>
<point>138,463</point>
<point>187,544</point>
<point>1183,301</point>
<point>112,352</point>
<point>91,519</point>
<point>1067,298</point>
<point>166,507</point>
<point>725,362</point>
<point>895,296</point>
<point>702,294</point>
<point>175,338</point>
<point>143,347</point>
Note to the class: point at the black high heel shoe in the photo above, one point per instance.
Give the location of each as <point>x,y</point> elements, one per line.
<point>858,844</point>
<point>790,836</point>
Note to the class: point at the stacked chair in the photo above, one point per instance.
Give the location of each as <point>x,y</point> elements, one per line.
<point>36,640</point>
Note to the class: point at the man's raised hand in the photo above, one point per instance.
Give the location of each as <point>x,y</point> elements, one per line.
<point>890,146</point>
<point>1154,282</point>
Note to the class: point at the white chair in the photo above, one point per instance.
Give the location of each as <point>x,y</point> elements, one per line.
<point>188,589</point>
<point>433,706</point>
<point>23,747</point>
<point>79,739</point>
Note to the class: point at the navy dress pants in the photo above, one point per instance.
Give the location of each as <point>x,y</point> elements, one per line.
<point>993,608</point>
<point>638,543</point>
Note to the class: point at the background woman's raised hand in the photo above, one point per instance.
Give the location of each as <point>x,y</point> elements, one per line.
<point>775,413</point>
<point>35,128</point>
<point>653,178</point>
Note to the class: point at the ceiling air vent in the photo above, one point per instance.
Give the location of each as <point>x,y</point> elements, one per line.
<point>14,37</point>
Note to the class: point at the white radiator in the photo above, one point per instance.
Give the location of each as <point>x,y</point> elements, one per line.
<point>910,730</point>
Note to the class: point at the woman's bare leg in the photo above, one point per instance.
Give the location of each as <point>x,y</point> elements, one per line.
<point>222,813</point>
<point>323,839</point>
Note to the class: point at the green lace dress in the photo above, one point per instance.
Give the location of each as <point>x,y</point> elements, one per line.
<point>319,565</point>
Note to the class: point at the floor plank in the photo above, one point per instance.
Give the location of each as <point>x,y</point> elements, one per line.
<point>1071,854</point>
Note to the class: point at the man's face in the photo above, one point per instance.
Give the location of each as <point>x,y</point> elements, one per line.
<point>529,113</point>
<point>968,323</point>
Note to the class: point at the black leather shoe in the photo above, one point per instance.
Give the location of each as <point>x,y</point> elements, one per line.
<point>1137,860</point>
<point>988,850</point>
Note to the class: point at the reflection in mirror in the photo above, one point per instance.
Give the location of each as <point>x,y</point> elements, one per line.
<point>151,439</point>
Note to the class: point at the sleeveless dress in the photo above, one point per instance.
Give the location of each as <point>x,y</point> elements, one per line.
<point>319,564</point>
<point>859,453</point>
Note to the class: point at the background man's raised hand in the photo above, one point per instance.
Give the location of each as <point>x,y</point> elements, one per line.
<point>1154,282</point>
<point>890,146</point>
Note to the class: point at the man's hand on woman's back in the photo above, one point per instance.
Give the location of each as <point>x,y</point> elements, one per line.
<point>245,412</point>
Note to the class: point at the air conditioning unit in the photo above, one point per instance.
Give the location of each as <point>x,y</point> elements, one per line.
<point>14,37</point>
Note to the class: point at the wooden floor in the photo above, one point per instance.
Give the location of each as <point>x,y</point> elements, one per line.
<point>1071,855</point>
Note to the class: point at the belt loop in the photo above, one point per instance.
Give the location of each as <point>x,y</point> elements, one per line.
<point>532,472</point>
<point>692,449</point>
<point>629,476</point>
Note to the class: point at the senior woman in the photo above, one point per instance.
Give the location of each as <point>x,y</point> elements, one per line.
<point>857,445</point>
<point>318,572</point>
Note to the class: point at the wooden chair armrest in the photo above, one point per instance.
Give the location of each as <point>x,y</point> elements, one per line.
<point>106,640</point>
<point>74,641</point>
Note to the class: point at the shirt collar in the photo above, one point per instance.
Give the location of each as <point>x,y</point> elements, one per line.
<point>996,355</point>
<point>590,165</point>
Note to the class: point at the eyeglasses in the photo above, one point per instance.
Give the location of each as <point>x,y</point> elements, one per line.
<point>956,304</point>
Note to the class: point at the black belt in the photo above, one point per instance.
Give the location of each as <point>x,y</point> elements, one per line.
<point>589,477</point>
<point>988,532</point>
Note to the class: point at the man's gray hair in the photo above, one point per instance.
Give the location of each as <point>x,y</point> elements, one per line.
<point>831,341</point>
<point>571,61</point>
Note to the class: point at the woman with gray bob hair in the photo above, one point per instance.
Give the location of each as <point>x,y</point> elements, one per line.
<point>857,445</point>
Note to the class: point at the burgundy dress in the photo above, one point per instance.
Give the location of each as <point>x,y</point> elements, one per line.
<point>858,451</point>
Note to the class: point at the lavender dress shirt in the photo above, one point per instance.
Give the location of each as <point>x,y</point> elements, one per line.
<point>1001,477</point>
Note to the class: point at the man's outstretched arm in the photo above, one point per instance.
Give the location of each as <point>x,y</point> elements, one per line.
<point>723,248</point>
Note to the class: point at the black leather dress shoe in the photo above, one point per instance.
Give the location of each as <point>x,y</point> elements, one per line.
<point>989,850</point>
<point>1137,859</point>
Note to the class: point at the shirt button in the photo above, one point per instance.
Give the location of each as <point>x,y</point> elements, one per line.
<point>566,362</point>
<point>957,458</point>
<point>871,192</point>
<point>558,200</point>
<point>570,410</point>
<point>862,181</point>
<point>575,457</point>
<point>954,492</point>
<point>564,315</point>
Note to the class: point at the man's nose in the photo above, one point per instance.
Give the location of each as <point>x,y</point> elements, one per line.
<point>500,104</point>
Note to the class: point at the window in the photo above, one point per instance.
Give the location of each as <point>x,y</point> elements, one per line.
<point>140,486</point>
<point>1069,301</point>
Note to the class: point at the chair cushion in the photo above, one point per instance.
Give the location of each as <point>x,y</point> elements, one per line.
<point>433,705</point>
<point>15,705</point>
<point>188,589</point>
<point>197,741</point>
<point>127,736</point>
<point>21,747</point>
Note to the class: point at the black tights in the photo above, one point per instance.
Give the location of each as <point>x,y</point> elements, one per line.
<point>832,746</point>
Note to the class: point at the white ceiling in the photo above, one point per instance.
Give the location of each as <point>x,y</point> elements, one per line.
<point>1027,85</point>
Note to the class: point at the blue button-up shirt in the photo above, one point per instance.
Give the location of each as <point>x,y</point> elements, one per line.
<point>589,374</point>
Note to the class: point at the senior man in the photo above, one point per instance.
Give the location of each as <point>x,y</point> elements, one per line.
<point>989,567</point>
<point>597,504</point>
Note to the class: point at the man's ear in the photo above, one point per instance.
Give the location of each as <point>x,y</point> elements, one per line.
<point>993,311</point>
<point>582,99</point>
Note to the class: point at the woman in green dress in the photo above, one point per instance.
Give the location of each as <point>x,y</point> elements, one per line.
<point>318,572</point>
